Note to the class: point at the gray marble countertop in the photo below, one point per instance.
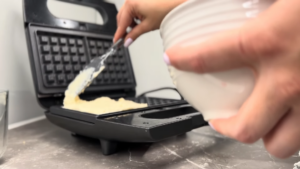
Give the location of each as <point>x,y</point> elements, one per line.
<point>42,145</point>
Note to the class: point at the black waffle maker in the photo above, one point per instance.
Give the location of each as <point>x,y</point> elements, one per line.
<point>59,49</point>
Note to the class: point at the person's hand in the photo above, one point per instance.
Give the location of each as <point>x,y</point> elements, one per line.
<point>149,12</point>
<point>270,45</point>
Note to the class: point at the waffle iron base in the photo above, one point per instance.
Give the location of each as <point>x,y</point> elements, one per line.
<point>143,126</point>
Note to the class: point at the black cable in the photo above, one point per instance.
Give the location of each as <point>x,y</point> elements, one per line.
<point>159,89</point>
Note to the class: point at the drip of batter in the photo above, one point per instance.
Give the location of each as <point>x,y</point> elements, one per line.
<point>98,106</point>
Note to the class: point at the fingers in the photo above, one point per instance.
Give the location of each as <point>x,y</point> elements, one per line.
<point>242,47</point>
<point>284,140</point>
<point>119,15</point>
<point>221,52</point>
<point>259,114</point>
<point>125,19</point>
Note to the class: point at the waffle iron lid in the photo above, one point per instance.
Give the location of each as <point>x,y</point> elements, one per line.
<point>60,48</point>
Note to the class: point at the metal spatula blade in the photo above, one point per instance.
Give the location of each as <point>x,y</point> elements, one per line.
<point>92,70</point>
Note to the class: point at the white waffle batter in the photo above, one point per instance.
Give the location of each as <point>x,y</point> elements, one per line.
<point>98,106</point>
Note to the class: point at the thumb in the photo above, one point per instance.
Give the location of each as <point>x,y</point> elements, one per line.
<point>219,53</point>
<point>258,115</point>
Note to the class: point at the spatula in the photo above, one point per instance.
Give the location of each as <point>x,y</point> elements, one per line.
<point>92,70</point>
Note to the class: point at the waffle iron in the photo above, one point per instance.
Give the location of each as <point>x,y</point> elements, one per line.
<point>60,48</point>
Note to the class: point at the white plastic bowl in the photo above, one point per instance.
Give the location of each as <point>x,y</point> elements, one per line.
<point>216,95</point>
